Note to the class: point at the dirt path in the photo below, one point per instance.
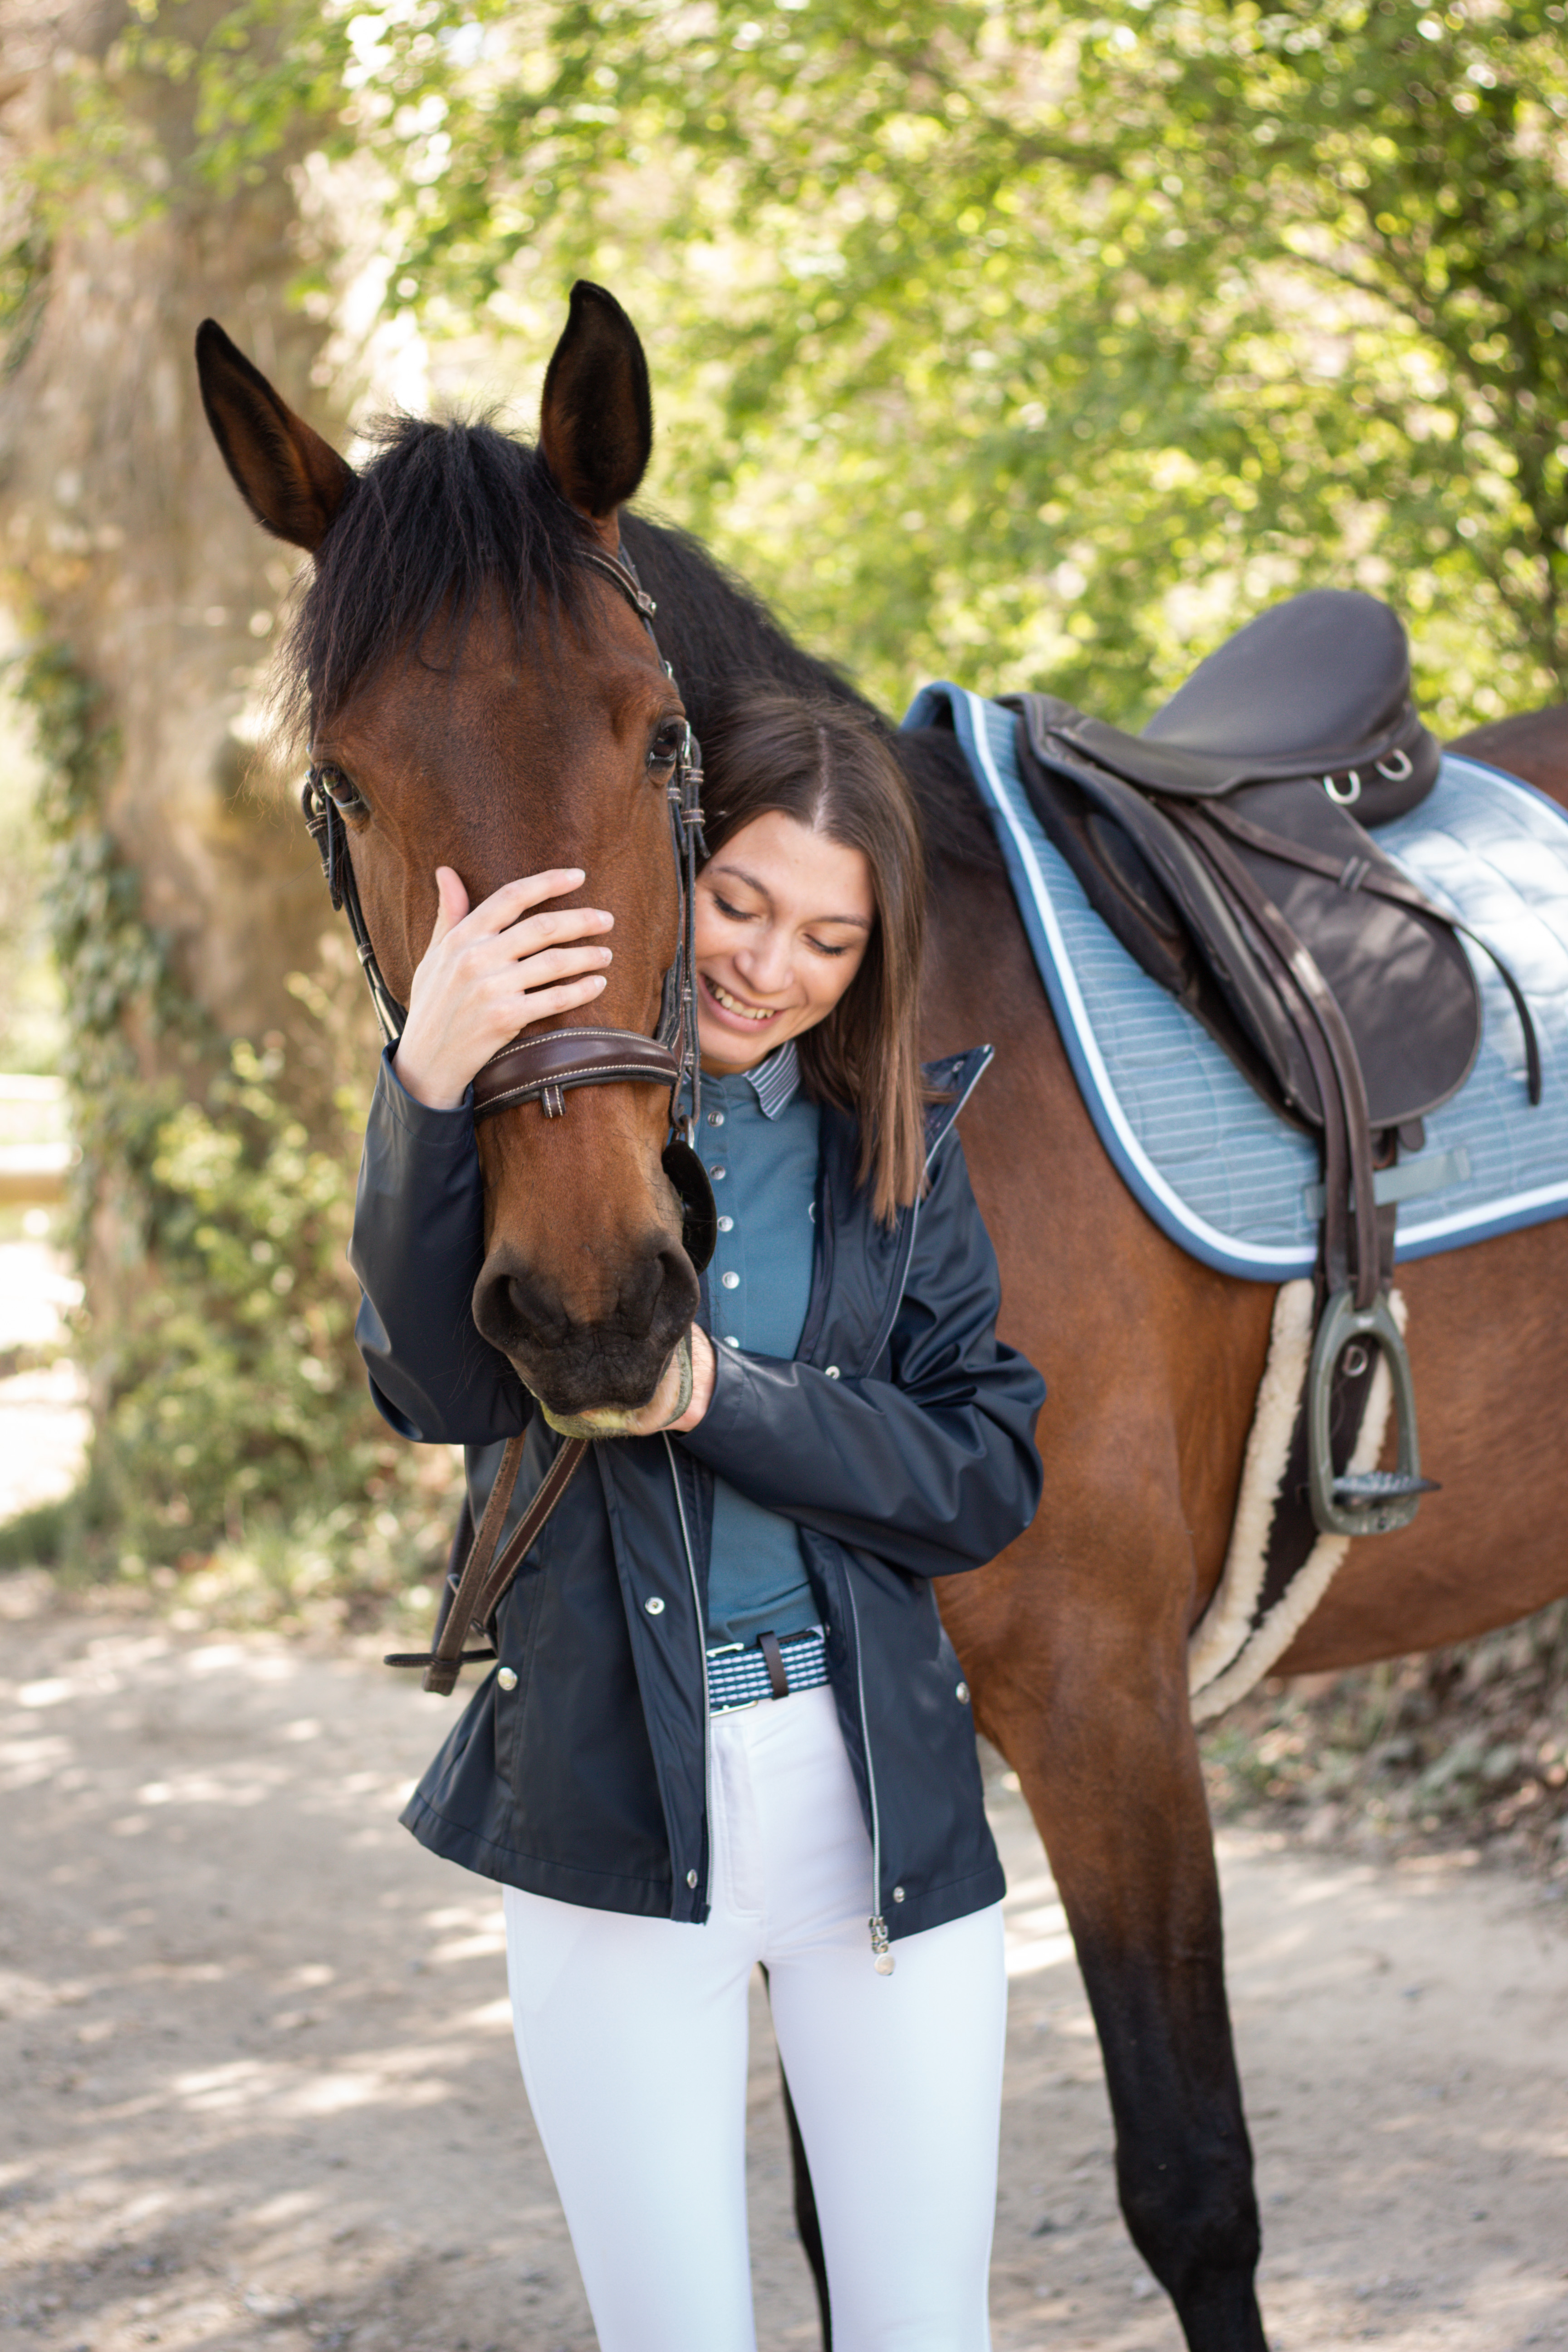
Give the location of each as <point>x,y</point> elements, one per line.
<point>260,2091</point>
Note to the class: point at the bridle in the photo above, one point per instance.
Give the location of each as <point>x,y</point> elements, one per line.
<point>545,1068</point>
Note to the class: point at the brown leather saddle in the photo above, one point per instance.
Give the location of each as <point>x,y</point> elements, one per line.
<point>1228,849</point>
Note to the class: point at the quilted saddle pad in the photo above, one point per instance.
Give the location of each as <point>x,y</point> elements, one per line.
<point>1211,1163</point>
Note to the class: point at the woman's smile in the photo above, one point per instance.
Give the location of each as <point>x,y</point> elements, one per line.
<point>736,1008</point>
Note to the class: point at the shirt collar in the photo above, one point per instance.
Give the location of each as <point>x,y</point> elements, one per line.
<point>776,1082</point>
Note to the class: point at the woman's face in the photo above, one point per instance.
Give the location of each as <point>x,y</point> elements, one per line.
<point>783,918</point>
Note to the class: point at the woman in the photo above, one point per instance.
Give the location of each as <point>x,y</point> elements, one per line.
<point>726,1726</point>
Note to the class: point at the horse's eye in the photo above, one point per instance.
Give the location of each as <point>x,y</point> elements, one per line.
<point>343,795</point>
<point>665,749</point>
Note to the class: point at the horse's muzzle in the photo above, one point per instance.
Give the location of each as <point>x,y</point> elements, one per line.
<point>589,1363</point>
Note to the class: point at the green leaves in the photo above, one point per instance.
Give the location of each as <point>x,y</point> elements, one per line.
<point>1021,339</point>
<point>1044,345</point>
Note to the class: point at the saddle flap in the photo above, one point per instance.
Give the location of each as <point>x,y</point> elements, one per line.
<point>1400,978</point>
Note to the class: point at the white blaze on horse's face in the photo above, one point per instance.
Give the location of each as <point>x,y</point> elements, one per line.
<point>784,916</point>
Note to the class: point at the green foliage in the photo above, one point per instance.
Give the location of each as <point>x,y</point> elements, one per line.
<point>24,289</point>
<point>236,1384</point>
<point>114,969</point>
<point>233,1413</point>
<point>1030,342</point>
<point>241,1415</point>
<point>1016,339</point>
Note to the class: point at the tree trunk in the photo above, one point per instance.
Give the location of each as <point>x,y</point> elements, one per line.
<point>185,869</point>
<point>122,530</point>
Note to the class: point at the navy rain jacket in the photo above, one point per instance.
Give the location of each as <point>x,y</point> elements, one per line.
<point>900,1441</point>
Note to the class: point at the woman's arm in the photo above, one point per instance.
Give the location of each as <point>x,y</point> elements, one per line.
<point>418,1245</point>
<point>933,1468</point>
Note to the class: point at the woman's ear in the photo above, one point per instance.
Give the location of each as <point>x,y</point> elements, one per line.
<point>293,482</point>
<point>596,423</point>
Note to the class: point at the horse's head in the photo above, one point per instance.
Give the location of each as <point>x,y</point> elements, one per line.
<point>485,698</point>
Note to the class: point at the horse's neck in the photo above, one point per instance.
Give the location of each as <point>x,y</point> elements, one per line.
<point>715,637</point>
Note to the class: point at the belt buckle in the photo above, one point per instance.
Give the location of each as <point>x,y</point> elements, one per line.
<point>731,1650</point>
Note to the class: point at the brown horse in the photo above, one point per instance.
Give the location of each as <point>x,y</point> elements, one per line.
<point>500,728</point>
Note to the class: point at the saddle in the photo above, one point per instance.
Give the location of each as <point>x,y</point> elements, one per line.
<point>1228,849</point>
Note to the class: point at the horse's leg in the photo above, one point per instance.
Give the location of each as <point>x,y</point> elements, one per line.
<point>1075,1642</point>
<point>806,2215</point>
<point>1145,1917</point>
<point>1087,1699</point>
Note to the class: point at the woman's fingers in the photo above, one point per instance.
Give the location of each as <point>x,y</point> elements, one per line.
<point>506,907</point>
<point>541,1003</point>
<point>561,964</point>
<point>562,924</point>
<point>452,903</point>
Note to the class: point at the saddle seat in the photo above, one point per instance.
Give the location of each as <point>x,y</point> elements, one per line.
<point>1316,686</point>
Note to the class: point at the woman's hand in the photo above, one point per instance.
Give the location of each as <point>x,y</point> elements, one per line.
<point>655,1415</point>
<point>703,1377</point>
<point>491,973</point>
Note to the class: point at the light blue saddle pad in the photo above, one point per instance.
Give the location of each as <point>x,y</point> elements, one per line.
<point>1205,1155</point>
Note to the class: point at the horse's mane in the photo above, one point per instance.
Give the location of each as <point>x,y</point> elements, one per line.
<point>450,513</point>
<point>720,638</point>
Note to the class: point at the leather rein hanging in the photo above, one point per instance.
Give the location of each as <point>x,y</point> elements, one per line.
<point>545,1069</point>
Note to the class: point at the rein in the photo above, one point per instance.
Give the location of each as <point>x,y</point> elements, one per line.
<point>545,1069</point>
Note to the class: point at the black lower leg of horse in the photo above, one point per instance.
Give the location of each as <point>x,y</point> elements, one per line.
<point>805,2214</point>
<point>1184,2160</point>
<point>1114,1783</point>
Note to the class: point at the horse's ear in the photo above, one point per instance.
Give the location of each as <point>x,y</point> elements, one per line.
<point>292,480</point>
<point>596,423</point>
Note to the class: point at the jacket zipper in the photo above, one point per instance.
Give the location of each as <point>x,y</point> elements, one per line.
<point>702,1633</point>
<point>881,1952</point>
<point>891,1314</point>
<point>882,1956</point>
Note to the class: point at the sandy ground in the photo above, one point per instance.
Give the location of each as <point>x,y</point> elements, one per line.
<point>258,2087</point>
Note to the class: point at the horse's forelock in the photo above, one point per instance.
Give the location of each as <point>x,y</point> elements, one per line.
<point>448,514</point>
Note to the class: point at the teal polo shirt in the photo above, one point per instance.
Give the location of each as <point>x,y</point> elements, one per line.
<point>760,1142</point>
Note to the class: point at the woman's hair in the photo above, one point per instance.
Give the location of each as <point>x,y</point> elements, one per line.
<point>830,767</point>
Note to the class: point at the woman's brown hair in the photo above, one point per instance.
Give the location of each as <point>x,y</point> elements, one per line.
<point>831,767</point>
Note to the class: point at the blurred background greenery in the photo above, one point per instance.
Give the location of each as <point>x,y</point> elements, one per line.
<point>1022,342</point>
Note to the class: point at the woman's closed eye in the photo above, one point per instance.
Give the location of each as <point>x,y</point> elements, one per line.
<point>752,914</point>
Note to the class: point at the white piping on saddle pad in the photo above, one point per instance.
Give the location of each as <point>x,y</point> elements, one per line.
<point>1223,1658</point>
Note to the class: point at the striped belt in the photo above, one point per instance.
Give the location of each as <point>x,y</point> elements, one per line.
<point>742,1673</point>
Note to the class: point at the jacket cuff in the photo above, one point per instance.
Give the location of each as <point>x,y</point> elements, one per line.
<point>731,1422</point>
<point>419,1121</point>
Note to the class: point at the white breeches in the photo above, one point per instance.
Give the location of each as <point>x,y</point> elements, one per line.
<point>632,2035</point>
